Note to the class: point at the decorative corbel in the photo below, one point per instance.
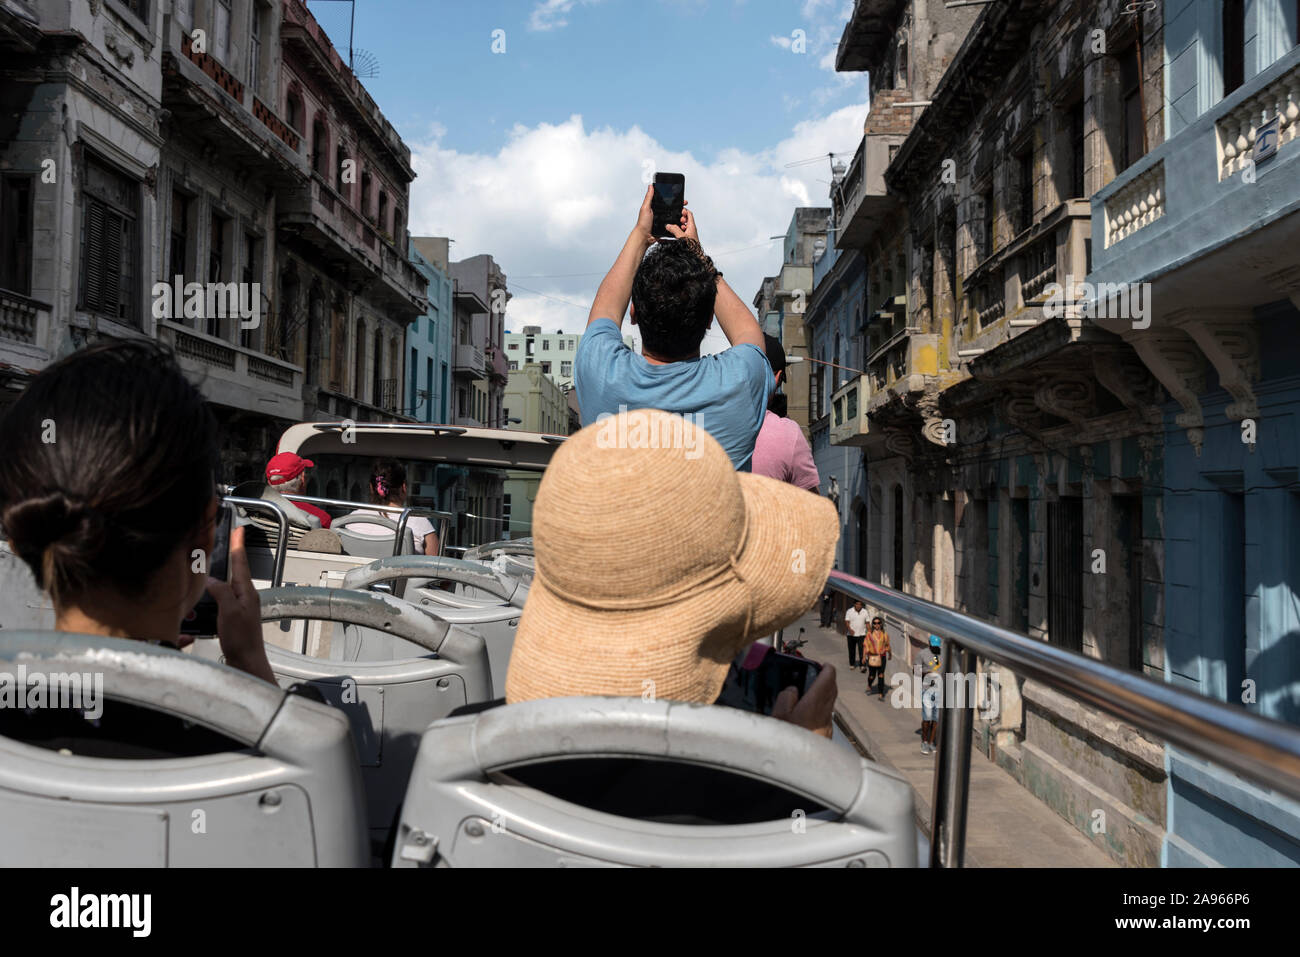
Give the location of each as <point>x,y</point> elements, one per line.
<point>1127,379</point>
<point>1230,340</point>
<point>1179,366</point>
<point>1067,396</point>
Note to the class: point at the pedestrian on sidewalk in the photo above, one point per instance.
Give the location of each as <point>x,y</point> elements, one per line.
<point>929,680</point>
<point>855,630</point>
<point>828,609</point>
<point>875,654</point>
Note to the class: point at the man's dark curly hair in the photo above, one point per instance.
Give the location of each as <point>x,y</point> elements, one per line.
<point>673,295</point>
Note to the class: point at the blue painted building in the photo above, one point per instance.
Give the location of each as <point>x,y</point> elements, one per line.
<point>1210,222</point>
<point>428,339</point>
<point>833,323</point>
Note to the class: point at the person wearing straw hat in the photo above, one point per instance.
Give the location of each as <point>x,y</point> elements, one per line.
<point>657,563</point>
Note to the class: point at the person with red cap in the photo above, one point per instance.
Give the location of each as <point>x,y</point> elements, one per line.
<point>286,473</point>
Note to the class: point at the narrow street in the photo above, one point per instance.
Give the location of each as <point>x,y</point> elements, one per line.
<point>1007,826</point>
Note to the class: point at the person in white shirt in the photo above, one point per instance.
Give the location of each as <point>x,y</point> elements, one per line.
<point>856,620</point>
<point>388,487</point>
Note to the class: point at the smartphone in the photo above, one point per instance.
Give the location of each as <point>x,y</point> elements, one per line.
<point>667,202</point>
<point>756,689</point>
<point>202,619</point>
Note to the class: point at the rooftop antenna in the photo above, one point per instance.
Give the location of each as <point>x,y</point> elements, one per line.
<point>368,62</point>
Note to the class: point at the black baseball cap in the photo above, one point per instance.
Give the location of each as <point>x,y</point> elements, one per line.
<point>775,353</point>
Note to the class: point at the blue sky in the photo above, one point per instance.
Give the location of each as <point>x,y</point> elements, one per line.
<point>537,154</point>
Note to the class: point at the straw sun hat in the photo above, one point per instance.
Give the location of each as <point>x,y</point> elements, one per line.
<point>657,562</point>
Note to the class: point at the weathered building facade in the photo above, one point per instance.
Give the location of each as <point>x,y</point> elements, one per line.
<point>208,173</point>
<point>1205,230</point>
<point>1014,446</point>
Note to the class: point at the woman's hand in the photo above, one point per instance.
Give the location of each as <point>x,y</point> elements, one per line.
<point>239,614</point>
<point>813,711</point>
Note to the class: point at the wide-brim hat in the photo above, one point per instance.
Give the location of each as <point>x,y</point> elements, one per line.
<point>657,562</point>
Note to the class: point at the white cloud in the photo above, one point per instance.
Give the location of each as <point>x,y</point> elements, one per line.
<point>551,14</point>
<point>556,202</point>
<point>782,42</point>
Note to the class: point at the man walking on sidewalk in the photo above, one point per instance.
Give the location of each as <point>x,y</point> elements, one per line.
<point>855,629</point>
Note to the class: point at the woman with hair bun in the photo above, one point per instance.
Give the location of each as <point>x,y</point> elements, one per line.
<point>108,486</point>
<point>388,487</point>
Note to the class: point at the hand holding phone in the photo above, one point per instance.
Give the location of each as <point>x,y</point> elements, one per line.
<point>202,619</point>
<point>667,203</point>
<point>760,675</point>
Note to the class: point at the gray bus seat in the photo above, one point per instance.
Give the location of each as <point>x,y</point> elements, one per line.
<point>265,533</point>
<point>366,544</point>
<point>390,667</point>
<point>517,546</point>
<point>495,616</point>
<point>189,764</point>
<point>622,781</point>
<point>477,583</point>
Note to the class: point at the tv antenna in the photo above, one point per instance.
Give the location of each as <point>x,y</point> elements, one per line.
<point>362,63</point>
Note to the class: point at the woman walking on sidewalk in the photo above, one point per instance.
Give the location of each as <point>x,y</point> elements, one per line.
<point>875,653</point>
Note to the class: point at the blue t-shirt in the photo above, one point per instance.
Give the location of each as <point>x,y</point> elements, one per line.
<point>725,394</point>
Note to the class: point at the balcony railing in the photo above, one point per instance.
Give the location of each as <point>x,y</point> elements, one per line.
<point>468,359</point>
<point>1140,203</point>
<point>234,375</point>
<point>849,424</point>
<point>1165,211</point>
<point>1239,127</point>
<point>19,317</point>
<point>1263,750</point>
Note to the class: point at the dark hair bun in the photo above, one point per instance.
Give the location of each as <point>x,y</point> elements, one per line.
<point>61,529</point>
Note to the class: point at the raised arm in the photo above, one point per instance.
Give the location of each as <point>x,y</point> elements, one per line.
<point>616,288</point>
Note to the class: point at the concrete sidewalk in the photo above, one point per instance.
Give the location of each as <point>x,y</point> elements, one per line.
<point>1006,825</point>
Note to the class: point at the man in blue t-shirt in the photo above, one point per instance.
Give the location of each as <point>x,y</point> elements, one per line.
<point>675,293</point>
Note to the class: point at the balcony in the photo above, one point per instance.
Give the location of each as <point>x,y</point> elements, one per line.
<point>849,423</point>
<point>21,318</point>
<point>207,102</point>
<point>1016,282</point>
<point>468,361</point>
<point>902,366</point>
<point>233,376</point>
<point>352,248</point>
<point>497,365</point>
<point>862,203</point>
<point>1208,216</point>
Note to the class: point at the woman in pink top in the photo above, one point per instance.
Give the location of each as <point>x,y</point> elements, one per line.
<point>781,451</point>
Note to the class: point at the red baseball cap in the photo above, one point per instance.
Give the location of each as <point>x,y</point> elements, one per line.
<point>286,466</point>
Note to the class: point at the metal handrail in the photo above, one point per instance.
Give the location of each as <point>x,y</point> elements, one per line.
<point>405,512</point>
<point>1261,749</point>
<point>282,540</point>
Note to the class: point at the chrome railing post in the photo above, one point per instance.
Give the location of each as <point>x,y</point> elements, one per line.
<point>282,542</point>
<point>952,769</point>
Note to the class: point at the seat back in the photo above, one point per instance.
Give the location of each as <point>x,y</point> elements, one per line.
<point>391,668</point>
<point>188,764</point>
<point>263,531</point>
<point>621,781</point>
<point>495,617</point>
<point>367,544</point>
